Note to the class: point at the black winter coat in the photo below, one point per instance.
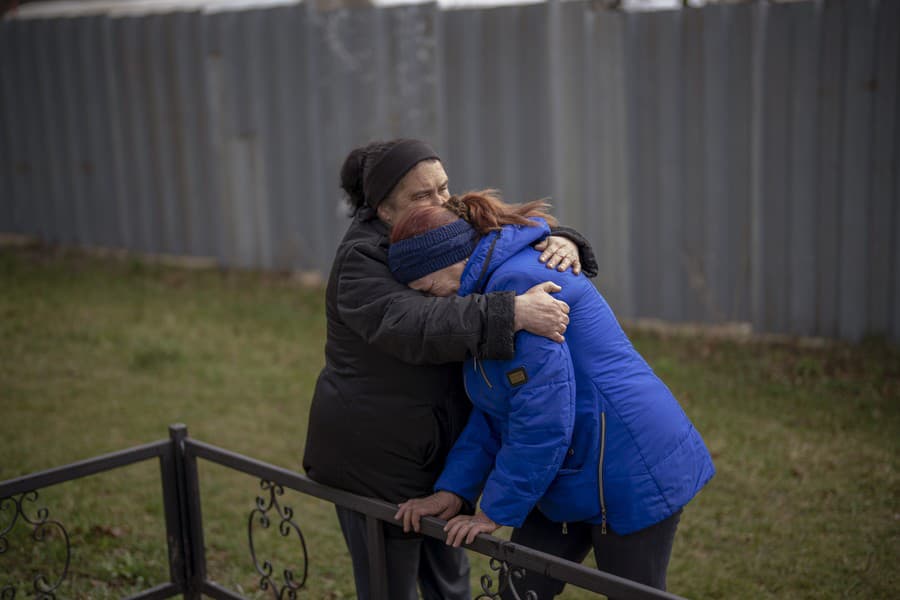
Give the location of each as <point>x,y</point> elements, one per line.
<point>390,402</point>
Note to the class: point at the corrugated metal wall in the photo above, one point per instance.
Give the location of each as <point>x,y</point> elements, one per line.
<point>730,163</point>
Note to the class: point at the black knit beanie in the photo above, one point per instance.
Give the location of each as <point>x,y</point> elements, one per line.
<point>392,166</point>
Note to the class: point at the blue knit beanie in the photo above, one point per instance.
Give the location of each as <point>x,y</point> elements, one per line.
<point>431,251</point>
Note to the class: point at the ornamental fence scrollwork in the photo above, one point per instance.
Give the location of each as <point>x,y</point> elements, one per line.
<point>266,509</point>
<point>506,578</point>
<point>42,526</point>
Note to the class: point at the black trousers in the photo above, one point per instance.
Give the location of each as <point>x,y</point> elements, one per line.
<point>641,556</point>
<point>441,570</point>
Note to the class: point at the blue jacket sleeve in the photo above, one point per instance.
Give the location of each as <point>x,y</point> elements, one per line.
<point>471,458</point>
<point>539,431</point>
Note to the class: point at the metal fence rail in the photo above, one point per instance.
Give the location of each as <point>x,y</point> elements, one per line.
<point>178,458</point>
<point>732,163</point>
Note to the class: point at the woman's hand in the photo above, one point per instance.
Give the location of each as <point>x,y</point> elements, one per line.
<point>466,528</point>
<point>537,312</point>
<point>559,253</point>
<point>442,505</point>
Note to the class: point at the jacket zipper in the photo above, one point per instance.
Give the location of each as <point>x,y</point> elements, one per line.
<point>479,287</point>
<point>602,452</point>
<point>484,376</point>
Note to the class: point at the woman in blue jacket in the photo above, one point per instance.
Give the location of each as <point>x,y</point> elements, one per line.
<point>576,445</point>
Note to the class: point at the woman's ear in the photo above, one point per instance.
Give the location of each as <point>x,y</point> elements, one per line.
<point>384,213</point>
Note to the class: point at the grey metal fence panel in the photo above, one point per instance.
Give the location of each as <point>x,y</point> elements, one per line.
<point>48,74</point>
<point>801,260</point>
<point>101,170</point>
<point>33,210</point>
<point>727,159</point>
<point>493,101</point>
<point>14,125</point>
<point>162,118</point>
<point>352,66</point>
<point>214,108</point>
<point>7,170</point>
<point>461,61</point>
<point>93,160</point>
<point>567,131</point>
<point>76,98</point>
<point>278,255</point>
<point>499,89</point>
<point>884,168</point>
<point>218,103</point>
<point>23,183</point>
<point>127,198</point>
<point>51,102</point>
<point>739,135</point>
<point>284,118</point>
<point>413,64</point>
<point>670,99</point>
<point>253,85</point>
<point>894,198</point>
<point>144,222</point>
<point>894,330</point>
<point>855,180</point>
<point>238,145</point>
<point>728,163</point>
<point>498,110</point>
<point>30,165</point>
<point>315,195</point>
<point>775,164</point>
<point>694,169</point>
<point>75,102</point>
<point>190,141</point>
<point>705,267</point>
<point>609,130</point>
<point>643,163</point>
<point>827,217</point>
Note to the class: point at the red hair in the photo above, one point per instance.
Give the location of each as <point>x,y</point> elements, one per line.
<point>484,210</point>
<point>421,219</point>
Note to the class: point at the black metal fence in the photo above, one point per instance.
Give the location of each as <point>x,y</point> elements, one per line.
<point>178,457</point>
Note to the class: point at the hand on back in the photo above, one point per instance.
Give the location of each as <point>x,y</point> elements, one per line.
<point>540,313</point>
<point>559,253</point>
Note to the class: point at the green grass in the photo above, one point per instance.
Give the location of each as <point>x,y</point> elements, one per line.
<point>99,355</point>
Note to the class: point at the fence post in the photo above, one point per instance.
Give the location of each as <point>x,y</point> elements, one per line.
<point>188,487</point>
<point>377,558</point>
<point>178,553</point>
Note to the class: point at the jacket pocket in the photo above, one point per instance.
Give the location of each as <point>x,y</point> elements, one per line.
<point>572,496</point>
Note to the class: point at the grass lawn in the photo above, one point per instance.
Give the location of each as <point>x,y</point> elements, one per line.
<point>98,355</point>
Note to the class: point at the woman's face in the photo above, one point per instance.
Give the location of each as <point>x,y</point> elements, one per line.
<point>425,184</point>
<point>441,283</point>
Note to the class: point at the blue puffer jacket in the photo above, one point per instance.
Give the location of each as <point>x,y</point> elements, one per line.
<point>583,430</point>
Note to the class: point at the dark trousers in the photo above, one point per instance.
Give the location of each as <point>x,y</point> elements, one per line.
<point>641,556</point>
<point>441,570</point>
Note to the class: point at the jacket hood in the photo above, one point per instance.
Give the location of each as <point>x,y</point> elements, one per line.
<point>496,248</point>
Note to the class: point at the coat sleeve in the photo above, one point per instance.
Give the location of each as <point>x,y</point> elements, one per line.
<point>541,420</point>
<point>413,327</point>
<point>471,459</point>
